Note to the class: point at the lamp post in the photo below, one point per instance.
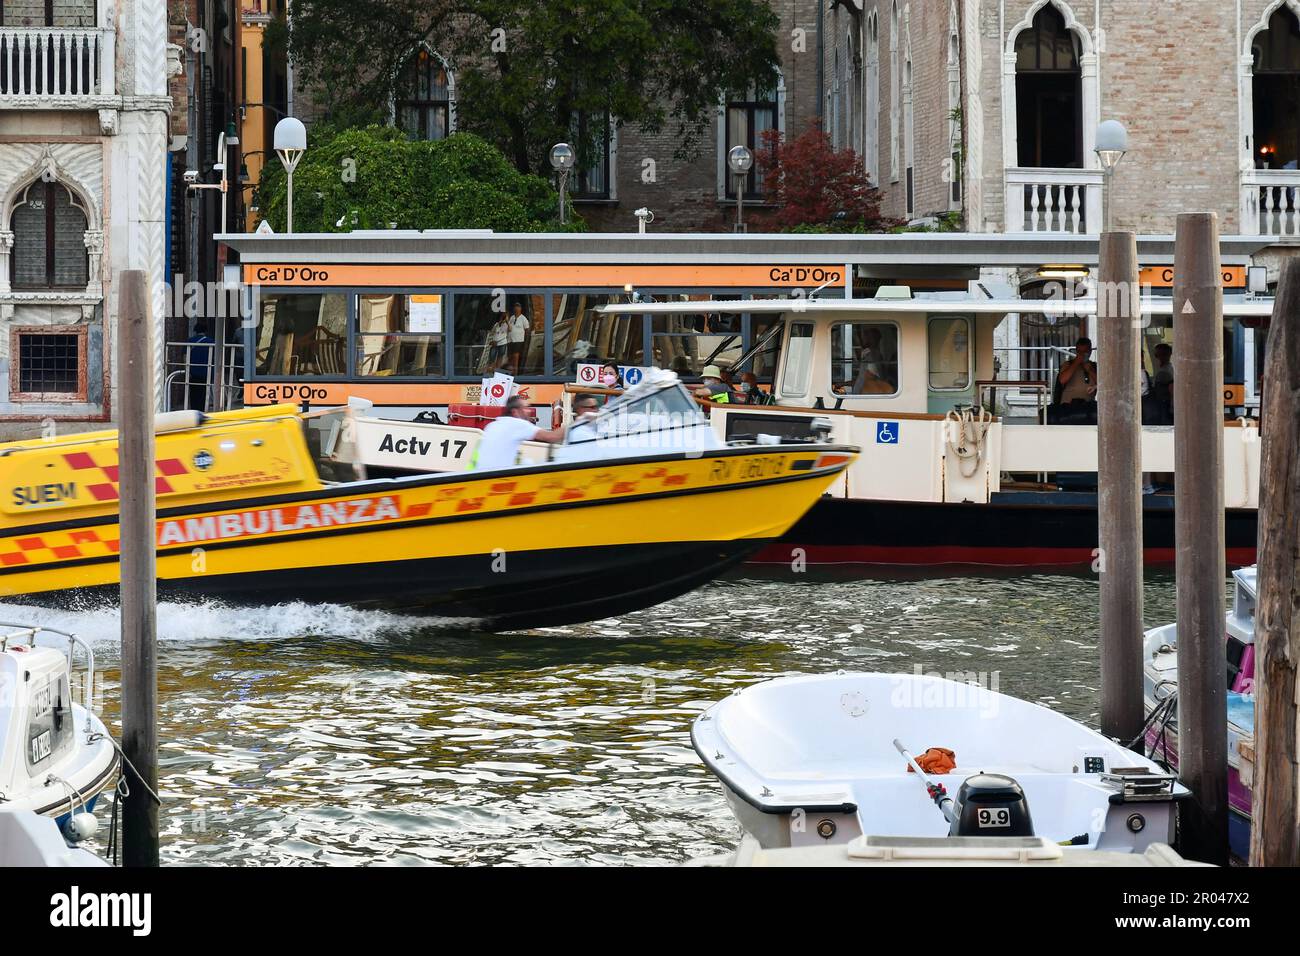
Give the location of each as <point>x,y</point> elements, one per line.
<point>1112,144</point>
<point>290,142</point>
<point>740,161</point>
<point>562,160</point>
<point>192,183</point>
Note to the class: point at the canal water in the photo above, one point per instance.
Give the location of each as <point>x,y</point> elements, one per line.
<point>323,735</point>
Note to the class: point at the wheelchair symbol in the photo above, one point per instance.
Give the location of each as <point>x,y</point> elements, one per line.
<point>886,433</point>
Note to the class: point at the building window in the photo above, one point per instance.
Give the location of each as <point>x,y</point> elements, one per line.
<point>864,358</point>
<point>749,117</point>
<point>399,335</point>
<point>50,364</point>
<point>1049,94</point>
<point>47,13</point>
<point>954,117</point>
<point>871,105</point>
<point>424,98</point>
<point>1277,92</point>
<point>49,250</point>
<point>909,147</point>
<point>594,179</point>
<point>895,95</point>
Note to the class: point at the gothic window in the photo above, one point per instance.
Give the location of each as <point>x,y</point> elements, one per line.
<point>49,250</point>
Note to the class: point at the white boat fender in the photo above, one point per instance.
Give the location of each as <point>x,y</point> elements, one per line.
<point>80,826</point>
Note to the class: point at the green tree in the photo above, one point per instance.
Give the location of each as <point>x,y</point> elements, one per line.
<point>523,70</point>
<point>374,177</point>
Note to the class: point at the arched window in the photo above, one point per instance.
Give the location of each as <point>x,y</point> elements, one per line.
<point>895,94</point>
<point>1049,94</point>
<point>49,228</point>
<point>424,97</point>
<point>872,105</point>
<point>750,117</point>
<point>1277,92</point>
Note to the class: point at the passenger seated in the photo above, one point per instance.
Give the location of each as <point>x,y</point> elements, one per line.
<point>750,393</point>
<point>1075,394</point>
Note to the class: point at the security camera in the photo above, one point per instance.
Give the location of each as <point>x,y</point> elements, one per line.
<point>191,176</point>
<point>644,217</point>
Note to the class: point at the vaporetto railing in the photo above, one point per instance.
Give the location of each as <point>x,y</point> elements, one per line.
<point>56,61</point>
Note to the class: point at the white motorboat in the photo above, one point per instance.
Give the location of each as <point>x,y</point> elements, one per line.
<point>1160,689</point>
<point>939,851</point>
<point>826,758</point>
<point>56,755</point>
<point>28,839</point>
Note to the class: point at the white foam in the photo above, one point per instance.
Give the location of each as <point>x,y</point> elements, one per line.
<point>217,621</point>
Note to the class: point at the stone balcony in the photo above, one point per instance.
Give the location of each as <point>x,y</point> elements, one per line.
<point>1060,201</point>
<point>1270,202</point>
<point>57,67</point>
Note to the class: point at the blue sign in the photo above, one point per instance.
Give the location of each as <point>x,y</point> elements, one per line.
<point>631,375</point>
<point>886,433</point>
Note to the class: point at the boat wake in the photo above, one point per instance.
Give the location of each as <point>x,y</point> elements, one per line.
<point>210,621</point>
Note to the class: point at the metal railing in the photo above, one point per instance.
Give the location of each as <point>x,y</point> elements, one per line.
<point>190,369</point>
<point>56,61</point>
<point>1037,363</point>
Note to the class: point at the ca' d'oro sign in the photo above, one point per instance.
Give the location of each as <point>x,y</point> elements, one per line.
<point>1162,277</point>
<point>651,276</point>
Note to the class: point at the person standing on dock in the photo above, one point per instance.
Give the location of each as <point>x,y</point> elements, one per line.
<point>499,447</point>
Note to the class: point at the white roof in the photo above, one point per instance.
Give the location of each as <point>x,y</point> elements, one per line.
<point>1154,305</point>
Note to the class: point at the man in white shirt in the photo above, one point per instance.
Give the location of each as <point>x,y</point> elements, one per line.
<point>499,446</point>
<point>518,326</point>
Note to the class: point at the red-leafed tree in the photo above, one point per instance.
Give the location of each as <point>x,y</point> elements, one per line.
<point>818,187</point>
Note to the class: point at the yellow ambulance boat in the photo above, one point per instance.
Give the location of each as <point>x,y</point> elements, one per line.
<point>267,505</point>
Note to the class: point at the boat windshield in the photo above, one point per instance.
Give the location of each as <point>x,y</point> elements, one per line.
<point>332,441</point>
<point>666,409</point>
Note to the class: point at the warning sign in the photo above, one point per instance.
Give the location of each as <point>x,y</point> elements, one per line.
<point>498,388</point>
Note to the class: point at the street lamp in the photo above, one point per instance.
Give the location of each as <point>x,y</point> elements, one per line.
<point>1112,144</point>
<point>740,161</point>
<point>290,142</point>
<point>562,160</point>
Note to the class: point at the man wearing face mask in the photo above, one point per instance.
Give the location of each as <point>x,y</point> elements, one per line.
<point>750,393</point>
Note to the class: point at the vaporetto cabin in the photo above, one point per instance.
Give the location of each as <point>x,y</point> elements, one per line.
<point>938,354</point>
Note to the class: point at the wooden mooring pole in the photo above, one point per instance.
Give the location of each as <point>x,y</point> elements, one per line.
<point>1119,485</point>
<point>1199,537</point>
<point>135,389</point>
<point>1275,796</point>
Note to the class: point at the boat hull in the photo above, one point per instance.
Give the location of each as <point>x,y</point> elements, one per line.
<point>524,547</point>
<point>813,759</point>
<point>1238,792</point>
<point>1022,529</point>
<point>76,782</point>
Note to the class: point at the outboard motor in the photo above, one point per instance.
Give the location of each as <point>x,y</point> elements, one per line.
<point>991,804</point>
